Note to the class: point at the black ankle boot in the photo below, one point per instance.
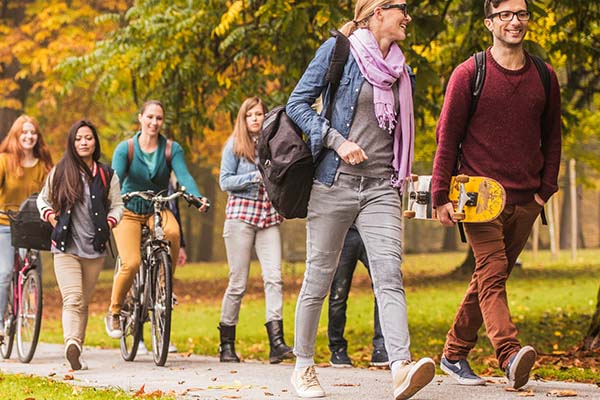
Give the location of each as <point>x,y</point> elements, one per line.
<point>227,347</point>
<point>279,350</point>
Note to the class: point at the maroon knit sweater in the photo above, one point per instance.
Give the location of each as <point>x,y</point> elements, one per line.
<point>506,138</point>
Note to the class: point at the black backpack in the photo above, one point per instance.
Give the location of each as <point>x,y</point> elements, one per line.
<point>284,159</point>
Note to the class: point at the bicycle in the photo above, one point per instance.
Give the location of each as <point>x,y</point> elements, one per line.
<point>23,315</point>
<point>151,294</point>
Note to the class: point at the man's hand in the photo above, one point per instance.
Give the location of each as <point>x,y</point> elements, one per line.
<point>351,153</point>
<point>445,214</point>
<point>539,200</point>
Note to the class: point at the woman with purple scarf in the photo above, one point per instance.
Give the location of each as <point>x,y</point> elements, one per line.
<point>362,155</point>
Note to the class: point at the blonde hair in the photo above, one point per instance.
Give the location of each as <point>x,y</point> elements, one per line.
<point>243,145</point>
<point>362,12</point>
<point>12,147</point>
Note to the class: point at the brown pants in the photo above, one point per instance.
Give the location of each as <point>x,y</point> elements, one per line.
<point>496,245</point>
<point>128,235</point>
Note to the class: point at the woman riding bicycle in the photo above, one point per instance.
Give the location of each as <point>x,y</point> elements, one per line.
<point>24,163</point>
<point>82,201</point>
<point>147,168</point>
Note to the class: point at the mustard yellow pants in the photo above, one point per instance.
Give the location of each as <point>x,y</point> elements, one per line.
<point>128,235</point>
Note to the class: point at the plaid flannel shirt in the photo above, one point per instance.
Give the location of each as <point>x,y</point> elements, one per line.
<point>259,212</point>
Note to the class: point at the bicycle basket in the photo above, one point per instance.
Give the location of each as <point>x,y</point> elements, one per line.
<point>27,230</point>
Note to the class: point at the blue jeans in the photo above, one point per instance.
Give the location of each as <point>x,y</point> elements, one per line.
<point>7,258</point>
<point>352,252</point>
<point>375,208</point>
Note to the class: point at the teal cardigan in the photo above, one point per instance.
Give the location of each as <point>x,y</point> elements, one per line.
<point>139,177</point>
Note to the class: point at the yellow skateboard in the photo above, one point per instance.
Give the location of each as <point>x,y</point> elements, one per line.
<point>475,198</point>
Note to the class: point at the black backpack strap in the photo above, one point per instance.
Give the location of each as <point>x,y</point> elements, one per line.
<point>461,231</point>
<point>477,81</point>
<point>542,69</point>
<point>168,153</point>
<point>341,50</point>
<point>130,150</point>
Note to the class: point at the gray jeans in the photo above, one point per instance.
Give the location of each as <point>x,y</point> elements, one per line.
<point>240,237</point>
<point>375,207</point>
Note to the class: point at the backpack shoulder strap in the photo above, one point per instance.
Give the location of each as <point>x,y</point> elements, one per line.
<point>130,149</point>
<point>542,69</point>
<point>168,153</point>
<point>477,80</point>
<point>341,51</point>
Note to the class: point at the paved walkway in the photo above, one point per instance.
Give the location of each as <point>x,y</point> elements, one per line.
<point>198,377</point>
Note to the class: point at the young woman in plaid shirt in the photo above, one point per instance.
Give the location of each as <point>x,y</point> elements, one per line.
<point>250,221</point>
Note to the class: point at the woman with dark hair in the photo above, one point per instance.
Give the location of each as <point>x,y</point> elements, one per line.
<point>24,163</point>
<point>251,221</point>
<point>142,163</point>
<point>82,201</point>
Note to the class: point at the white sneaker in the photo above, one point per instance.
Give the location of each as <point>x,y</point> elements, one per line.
<point>306,384</point>
<point>412,377</point>
<point>142,349</point>
<point>73,355</point>
<point>172,348</point>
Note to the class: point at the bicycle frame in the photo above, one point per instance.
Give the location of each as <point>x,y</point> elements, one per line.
<point>19,273</point>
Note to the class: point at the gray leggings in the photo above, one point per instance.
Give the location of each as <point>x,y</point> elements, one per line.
<point>375,207</point>
<point>240,237</point>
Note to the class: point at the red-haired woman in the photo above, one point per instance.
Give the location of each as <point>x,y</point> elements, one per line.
<point>24,163</point>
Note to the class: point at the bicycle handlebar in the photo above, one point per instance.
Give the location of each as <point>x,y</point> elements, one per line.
<point>153,197</point>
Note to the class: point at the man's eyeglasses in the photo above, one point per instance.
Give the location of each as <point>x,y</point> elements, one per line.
<point>402,7</point>
<point>509,15</point>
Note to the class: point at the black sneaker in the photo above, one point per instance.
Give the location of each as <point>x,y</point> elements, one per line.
<point>462,372</point>
<point>340,359</point>
<point>519,367</point>
<point>379,358</point>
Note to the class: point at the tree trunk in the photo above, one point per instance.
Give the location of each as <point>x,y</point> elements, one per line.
<point>205,246</point>
<point>450,243</point>
<point>468,265</point>
<point>591,341</point>
<point>565,218</point>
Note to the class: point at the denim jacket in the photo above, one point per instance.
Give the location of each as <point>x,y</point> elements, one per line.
<point>238,176</point>
<point>316,126</point>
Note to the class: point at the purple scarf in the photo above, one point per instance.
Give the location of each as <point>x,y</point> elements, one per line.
<point>382,73</point>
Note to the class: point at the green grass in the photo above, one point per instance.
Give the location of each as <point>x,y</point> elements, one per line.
<point>18,387</point>
<point>551,303</point>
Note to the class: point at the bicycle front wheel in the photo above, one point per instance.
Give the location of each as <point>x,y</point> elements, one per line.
<point>8,330</point>
<point>29,320</point>
<point>163,305</point>
<point>131,322</point>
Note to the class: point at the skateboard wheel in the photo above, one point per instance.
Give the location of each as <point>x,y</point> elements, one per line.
<point>414,177</point>
<point>462,178</point>
<point>459,216</point>
<point>409,213</point>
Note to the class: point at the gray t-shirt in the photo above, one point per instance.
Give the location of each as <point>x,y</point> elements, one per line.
<point>376,142</point>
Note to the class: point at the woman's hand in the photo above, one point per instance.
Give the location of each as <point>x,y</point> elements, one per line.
<point>204,207</point>
<point>52,220</point>
<point>181,257</point>
<point>351,153</point>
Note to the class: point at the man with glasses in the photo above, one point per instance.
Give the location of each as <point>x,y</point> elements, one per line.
<point>513,135</point>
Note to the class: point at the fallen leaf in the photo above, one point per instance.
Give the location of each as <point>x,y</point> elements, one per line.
<point>269,394</point>
<point>213,379</point>
<point>50,374</point>
<point>68,377</point>
<point>140,391</point>
<point>528,393</point>
<point>346,384</point>
<point>562,393</point>
<point>180,382</point>
<point>233,372</point>
<point>231,397</point>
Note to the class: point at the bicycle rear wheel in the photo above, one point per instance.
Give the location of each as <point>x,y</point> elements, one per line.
<point>9,323</point>
<point>29,320</point>
<point>163,305</point>
<point>131,323</point>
